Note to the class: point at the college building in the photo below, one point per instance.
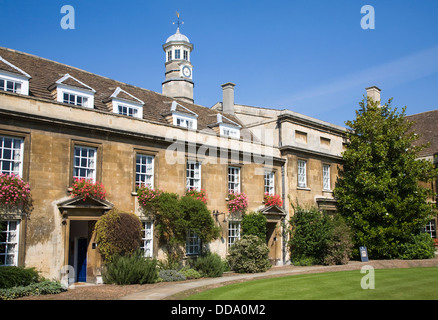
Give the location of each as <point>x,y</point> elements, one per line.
<point>59,123</point>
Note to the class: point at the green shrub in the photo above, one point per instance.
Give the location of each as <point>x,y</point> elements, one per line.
<point>421,246</point>
<point>254,224</point>
<point>249,254</point>
<point>130,269</point>
<point>118,233</point>
<point>171,275</point>
<point>34,289</point>
<point>340,243</point>
<point>310,235</point>
<point>190,273</point>
<point>17,276</point>
<point>209,265</point>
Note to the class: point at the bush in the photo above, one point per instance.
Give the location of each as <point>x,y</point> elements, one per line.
<point>310,235</point>
<point>340,243</point>
<point>34,289</point>
<point>17,276</point>
<point>421,246</point>
<point>254,224</point>
<point>209,265</point>
<point>249,254</point>
<point>131,269</point>
<point>118,233</point>
<point>171,275</point>
<point>190,273</point>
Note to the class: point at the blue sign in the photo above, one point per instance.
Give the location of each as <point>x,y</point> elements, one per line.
<point>363,254</point>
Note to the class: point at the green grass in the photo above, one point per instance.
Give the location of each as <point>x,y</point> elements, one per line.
<point>390,284</point>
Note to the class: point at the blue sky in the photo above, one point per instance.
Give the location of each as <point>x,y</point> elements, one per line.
<point>308,56</point>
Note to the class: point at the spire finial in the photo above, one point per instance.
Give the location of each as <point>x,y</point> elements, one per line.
<point>178,22</point>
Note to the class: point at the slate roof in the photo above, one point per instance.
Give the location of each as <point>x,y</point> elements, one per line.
<point>44,74</point>
<point>426,127</point>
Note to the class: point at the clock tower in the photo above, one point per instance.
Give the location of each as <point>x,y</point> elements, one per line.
<point>178,83</point>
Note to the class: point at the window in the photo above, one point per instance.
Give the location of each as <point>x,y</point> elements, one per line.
<point>147,238</point>
<point>229,132</point>
<point>144,171</point>
<point>177,54</point>
<point>169,55</point>
<point>269,183</point>
<point>302,180</point>
<point>9,242</point>
<point>11,155</point>
<point>326,177</point>
<point>85,163</point>
<point>10,86</point>
<point>75,99</point>
<point>233,232</point>
<point>193,175</point>
<point>233,179</point>
<point>186,55</point>
<point>431,228</point>
<point>185,123</point>
<point>128,111</point>
<point>193,244</point>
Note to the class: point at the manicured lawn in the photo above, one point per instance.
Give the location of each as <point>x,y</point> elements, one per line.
<point>390,284</point>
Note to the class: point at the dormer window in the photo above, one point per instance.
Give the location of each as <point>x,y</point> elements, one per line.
<point>183,121</point>
<point>13,79</point>
<point>126,104</point>
<point>10,86</point>
<point>229,131</point>
<point>75,99</point>
<point>72,91</point>
<point>181,116</point>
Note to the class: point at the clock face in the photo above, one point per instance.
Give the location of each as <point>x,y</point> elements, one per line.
<point>187,72</point>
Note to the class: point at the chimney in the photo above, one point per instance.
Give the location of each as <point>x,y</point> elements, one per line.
<point>228,98</point>
<point>374,93</point>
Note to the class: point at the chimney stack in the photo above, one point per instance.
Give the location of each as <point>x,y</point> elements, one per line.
<point>228,98</point>
<point>374,93</point>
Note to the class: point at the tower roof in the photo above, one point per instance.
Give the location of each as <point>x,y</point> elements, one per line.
<point>178,36</point>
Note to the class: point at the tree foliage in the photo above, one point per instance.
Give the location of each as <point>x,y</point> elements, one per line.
<point>118,233</point>
<point>379,192</point>
<point>254,224</point>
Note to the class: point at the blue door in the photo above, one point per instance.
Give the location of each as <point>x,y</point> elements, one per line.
<point>82,260</point>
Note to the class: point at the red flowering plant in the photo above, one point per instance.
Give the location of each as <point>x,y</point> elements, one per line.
<point>148,197</point>
<point>198,194</point>
<point>237,202</point>
<point>14,194</point>
<point>87,188</point>
<point>272,200</point>
<point>435,240</point>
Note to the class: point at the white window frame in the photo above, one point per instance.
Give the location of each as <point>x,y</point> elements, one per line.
<point>177,54</point>
<point>233,232</point>
<point>169,55</point>
<point>186,55</point>
<point>184,121</point>
<point>11,245</point>
<point>326,177</point>
<point>193,175</point>
<point>229,131</point>
<point>302,174</point>
<point>22,78</point>
<point>15,155</point>
<point>234,179</point>
<point>5,85</point>
<point>91,163</point>
<point>430,228</point>
<point>193,243</point>
<point>84,94</point>
<point>147,238</point>
<point>269,183</point>
<point>118,103</point>
<point>144,170</point>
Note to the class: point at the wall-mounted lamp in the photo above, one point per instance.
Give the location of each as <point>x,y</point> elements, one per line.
<point>216,213</point>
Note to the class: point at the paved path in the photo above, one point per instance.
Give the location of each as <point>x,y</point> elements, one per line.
<point>171,289</point>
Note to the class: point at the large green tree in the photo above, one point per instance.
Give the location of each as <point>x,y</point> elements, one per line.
<point>379,191</point>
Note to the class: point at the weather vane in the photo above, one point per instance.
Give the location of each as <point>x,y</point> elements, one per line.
<point>178,23</point>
